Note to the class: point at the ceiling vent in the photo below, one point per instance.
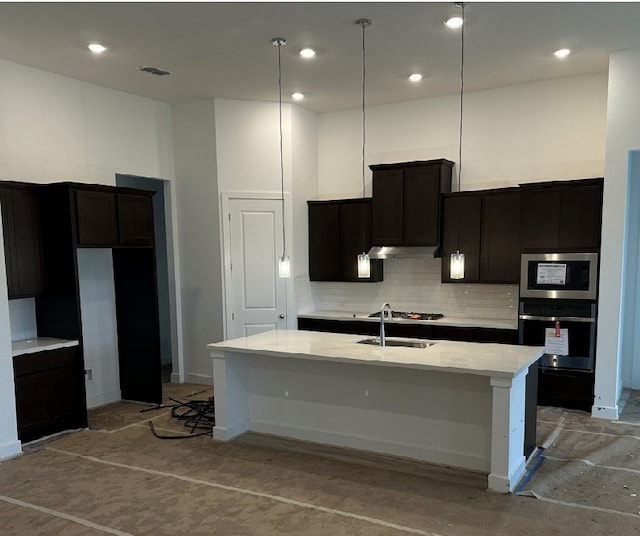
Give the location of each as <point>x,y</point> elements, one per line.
<point>154,70</point>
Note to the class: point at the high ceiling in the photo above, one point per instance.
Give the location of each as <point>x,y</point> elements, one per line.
<point>224,49</point>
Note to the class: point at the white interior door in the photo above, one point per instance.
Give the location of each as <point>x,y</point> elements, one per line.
<point>258,296</point>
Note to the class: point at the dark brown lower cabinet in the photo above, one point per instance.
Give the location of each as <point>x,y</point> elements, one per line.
<point>418,331</point>
<point>50,395</point>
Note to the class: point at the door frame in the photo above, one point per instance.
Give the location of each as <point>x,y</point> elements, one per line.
<point>227,288</point>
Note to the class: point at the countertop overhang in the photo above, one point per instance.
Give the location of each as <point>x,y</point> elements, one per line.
<point>454,321</point>
<point>485,359</point>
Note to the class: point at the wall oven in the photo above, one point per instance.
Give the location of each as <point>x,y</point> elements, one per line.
<point>558,310</point>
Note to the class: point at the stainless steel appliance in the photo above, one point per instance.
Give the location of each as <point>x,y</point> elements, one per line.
<point>558,310</point>
<point>571,276</point>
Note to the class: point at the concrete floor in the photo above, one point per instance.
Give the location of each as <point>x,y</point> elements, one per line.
<point>118,478</point>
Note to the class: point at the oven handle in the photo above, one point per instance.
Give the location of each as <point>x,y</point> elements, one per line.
<point>558,318</point>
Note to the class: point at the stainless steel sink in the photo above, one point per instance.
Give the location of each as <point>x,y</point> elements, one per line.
<point>375,341</point>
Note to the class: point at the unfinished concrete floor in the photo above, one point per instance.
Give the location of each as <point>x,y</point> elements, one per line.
<point>117,478</point>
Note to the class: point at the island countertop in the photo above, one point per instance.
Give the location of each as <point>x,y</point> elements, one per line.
<point>484,359</point>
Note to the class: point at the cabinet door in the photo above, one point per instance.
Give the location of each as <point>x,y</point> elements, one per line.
<point>580,217</point>
<point>421,216</point>
<point>388,203</point>
<point>27,227</point>
<point>355,237</point>
<point>540,219</point>
<point>65,375</point>
<point>135,219</point>
<point>9,241</point>
<point>461,231</point>
<point>324,241</point>
<point>96,218</point>
<point>501,238</point>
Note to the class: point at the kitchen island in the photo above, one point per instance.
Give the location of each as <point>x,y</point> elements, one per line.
<point>451,403</point>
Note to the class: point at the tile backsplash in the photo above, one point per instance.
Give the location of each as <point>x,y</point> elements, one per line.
<point>411,285</point>
<point>22,316</point>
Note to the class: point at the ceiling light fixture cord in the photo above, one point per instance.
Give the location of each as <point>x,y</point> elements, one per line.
<point>363,23</point>
<point>461,4</point>
<point>280,42</point>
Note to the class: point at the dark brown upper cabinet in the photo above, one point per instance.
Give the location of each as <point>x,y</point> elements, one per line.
<point>501,241</point>
<point>110,217</point>
<point>135,219</point>
<point>22,224</point>
<point>406,202</point>
<point>562,215</point>
<point>485,226</point>
<point>338,231</point>
<point>461,222</point>
<point>96,218</point>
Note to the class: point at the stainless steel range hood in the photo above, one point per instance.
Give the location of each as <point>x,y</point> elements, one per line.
<point>403,252</point>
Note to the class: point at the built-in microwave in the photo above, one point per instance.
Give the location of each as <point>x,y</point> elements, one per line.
<point>559,275</point>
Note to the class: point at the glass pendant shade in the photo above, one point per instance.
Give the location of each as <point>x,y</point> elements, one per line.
<point>284,266</point>
<point>364,266</point>
<point>456,269</point>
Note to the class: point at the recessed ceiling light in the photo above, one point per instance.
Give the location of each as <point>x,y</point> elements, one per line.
<point>562,53</point>
<point>415,77</point>
<point>297,96</point>
<point>307,53</point>
<point>454,22</point>
<point>96,48</point>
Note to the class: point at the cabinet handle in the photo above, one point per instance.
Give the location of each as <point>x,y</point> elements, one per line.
<point>281,315</point>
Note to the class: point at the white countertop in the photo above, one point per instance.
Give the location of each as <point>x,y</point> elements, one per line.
<point>40,344</point>
<point>464,322</point>
<point>486,359</point>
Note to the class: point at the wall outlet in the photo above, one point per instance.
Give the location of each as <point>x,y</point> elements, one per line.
<point>88,375</point>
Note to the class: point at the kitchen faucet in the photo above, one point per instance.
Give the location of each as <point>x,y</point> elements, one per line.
<point>385,307</point>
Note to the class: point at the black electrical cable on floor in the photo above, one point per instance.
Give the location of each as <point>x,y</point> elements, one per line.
<point>196,415</point>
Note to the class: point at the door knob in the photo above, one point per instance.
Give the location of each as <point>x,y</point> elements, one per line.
<point>281,315</point>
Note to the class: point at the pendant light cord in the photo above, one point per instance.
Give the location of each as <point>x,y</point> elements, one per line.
<point>280,42</point>
<point>461,4</point>
<point>363,23</point>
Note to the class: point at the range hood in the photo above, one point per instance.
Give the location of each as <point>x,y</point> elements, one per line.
<point>404,252</point>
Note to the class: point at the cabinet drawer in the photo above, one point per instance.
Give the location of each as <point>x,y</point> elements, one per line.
<point>28,364</point>
<point>61,357</point>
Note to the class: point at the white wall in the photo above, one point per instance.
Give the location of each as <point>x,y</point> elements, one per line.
<point>525,133</point>
<point>99,328</point>
<point>195,147</point>
<point>623,135</point>
<point>54,128</point>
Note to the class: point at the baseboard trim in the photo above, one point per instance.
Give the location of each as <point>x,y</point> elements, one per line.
<point>10,450</point>
<point>200,379</point>
<point>610,413</point>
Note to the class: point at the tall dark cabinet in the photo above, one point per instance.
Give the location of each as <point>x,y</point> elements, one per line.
<point>91,216</point>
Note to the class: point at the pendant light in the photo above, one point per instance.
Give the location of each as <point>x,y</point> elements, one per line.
<point>456,268</point>
<point>284,263</point>
<point>364,264</point>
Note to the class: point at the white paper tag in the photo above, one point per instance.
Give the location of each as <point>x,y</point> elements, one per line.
<point>556,345</point>
<point>551,274</point>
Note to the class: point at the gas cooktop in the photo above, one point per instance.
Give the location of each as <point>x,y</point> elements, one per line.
<point>411,316</point>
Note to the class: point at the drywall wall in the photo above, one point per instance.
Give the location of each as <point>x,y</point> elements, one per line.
<point>198,223</point>
<point>623,133</point>
<point>525,133</point>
